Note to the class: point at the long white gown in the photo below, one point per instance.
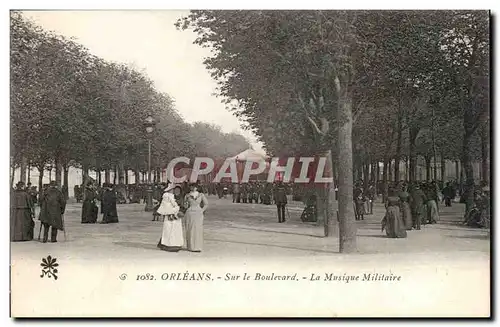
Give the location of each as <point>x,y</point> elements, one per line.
<point>172,236</point>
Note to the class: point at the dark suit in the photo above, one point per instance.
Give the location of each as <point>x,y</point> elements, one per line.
<point>281,202</point>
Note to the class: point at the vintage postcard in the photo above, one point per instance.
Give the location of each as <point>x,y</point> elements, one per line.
<point>250,163</point>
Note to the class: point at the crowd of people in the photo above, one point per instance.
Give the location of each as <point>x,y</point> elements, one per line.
<point>408,205</point>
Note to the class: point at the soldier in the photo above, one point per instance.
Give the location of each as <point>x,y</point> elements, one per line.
<point>53,205</point>
<point>244,192</point>
<point>281,201</point>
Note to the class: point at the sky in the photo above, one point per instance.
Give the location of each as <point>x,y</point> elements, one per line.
<point>149,41</point>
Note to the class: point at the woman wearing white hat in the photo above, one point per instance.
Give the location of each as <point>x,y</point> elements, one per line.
<point>172,238</point>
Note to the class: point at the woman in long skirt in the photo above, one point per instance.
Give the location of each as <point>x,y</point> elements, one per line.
<point>172,237</point>
<point>405,208</point>
<point>108,206</point>
<point>89,208</point>
<point>21,215</point>
<point>196,204</point>
<point>393,223</point>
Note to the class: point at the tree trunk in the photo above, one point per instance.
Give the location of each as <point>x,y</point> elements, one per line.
<point>457,170</point>
<point>59,169</point>
<point>330,223</point>
<point>412,154</point>
<point>428,167</point>
<point>347,223</point>
<point>24,164</point>
<point>377,177</point>
<point>407,169</point>
<point>115,174</point>
<point>469,172</point>
<point>434,152</point>
<point>66,180</point>
<point>137,176</point>
<point>41,170</point>
<point>126,176</point>
<point>321,205</point>
<point>485,155</point>
<point>373,170</point>
<point>85,173</point>
<point>398,145</point>
<point>99,177</point>
<point>29,174</point>
<point>385,183</point>
<point>13,171</point>
<point>107,176</point>
<point>120,170</point>
<point>389,171</point>
<point>443,168</point>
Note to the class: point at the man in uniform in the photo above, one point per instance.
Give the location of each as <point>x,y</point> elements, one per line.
<point>53,205</point>
<point>280,200</point>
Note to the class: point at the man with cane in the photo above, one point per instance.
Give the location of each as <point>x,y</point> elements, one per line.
<point>52,209</point>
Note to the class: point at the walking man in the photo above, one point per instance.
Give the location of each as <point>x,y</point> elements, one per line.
<point>280,200</point>
<point>52,206</point>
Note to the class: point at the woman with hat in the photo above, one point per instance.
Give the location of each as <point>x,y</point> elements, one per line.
<point>196,204</point>
<point>393,222</point>
<point>21,216</point>
<point>172,237</point>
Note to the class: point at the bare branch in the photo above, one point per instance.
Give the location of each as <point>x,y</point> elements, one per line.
<point>314,125</point>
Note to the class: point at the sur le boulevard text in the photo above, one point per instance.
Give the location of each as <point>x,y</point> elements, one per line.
<point>260,276</point>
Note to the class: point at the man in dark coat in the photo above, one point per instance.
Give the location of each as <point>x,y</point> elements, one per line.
<point>21,216</point>
<point>448,194</point>
<point>52,208</point>
<point>280,200</point>
<point>108,206</point>
<point>418,200</point>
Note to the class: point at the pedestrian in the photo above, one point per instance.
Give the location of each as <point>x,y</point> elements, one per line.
<point>448,194</point>
<point>52,208</point>
<point>359,205</point>
<point>196,204</point>
<point>393,223</point>
<point>404,197</point>
<point>108,205</point>
<point>432,203</point>
<point>370,195</point>
<point>89,207</point>
<point>172,238</point>
<point>418,200</point>
<point>280,200</point>
<point>21,216</point>
<point>310,213</point>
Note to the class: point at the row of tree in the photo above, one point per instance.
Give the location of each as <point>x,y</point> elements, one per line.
<point>360,87</point>
<point>71,108</point>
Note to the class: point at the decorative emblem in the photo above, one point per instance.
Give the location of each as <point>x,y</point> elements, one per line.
<point>49,267</point>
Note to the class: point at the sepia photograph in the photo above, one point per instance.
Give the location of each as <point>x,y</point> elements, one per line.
<point>250,163</point>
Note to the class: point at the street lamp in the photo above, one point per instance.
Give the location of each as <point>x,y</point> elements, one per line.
<point>49,168</point>
<point>149,124</point>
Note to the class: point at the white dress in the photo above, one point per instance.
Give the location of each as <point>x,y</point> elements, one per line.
<point>172,237</point>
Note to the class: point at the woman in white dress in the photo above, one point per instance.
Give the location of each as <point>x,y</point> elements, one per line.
<point>172,237</point>
<point>196,204</point>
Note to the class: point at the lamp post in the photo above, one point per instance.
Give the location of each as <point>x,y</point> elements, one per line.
<point>49,168</point>
<point>149,124</point>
